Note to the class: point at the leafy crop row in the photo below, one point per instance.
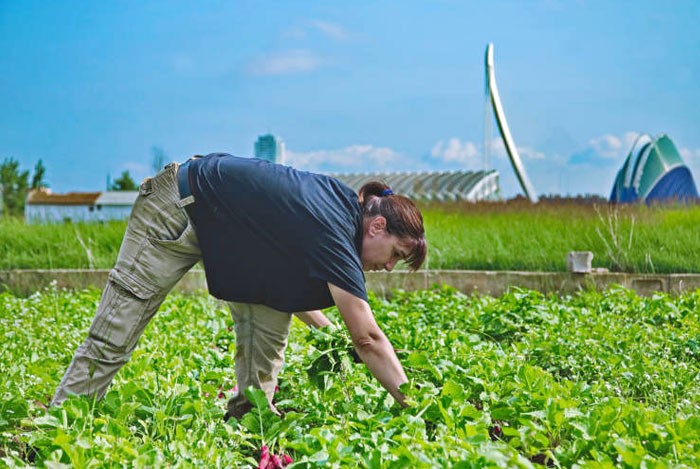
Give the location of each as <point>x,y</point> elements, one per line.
<point>605,379</point>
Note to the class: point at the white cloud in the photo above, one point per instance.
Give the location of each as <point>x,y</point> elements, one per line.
<point>454,150</point>
<point>613,147</point>
<point>297,60</point>
<point>528,153</point>
<point>332,30</point>
<point>467,153</point>
<point>352,158</point>
<point>286,62</point>
<point>497,149</point>
<point>326,28</point>
<point>689,155</point>
<point>692,160</point>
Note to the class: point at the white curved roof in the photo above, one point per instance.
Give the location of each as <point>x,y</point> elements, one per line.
<point>433,186</point>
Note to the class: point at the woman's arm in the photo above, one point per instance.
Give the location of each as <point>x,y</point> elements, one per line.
<point>314,319</point>
<point>371,344</point>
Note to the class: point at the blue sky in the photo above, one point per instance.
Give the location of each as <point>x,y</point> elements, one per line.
<point>91,87</point>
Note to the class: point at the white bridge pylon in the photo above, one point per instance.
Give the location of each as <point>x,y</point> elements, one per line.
<point>493,96</point>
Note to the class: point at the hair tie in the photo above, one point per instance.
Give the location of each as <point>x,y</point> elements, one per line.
<point>387,192</point>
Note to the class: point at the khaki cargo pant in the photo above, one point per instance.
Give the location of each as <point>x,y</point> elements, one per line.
<point>159,247</point>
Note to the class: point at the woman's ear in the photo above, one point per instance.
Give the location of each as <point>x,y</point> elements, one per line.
<point>377,225</point>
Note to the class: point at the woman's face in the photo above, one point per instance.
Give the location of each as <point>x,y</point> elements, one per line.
<point>381,250</point>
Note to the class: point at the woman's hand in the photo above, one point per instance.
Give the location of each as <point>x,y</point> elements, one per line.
<point>371,344</point>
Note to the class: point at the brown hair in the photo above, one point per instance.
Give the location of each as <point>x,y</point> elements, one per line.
<point>403,218</point>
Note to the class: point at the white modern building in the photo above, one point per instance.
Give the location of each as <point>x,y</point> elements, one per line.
<point>435,186</point>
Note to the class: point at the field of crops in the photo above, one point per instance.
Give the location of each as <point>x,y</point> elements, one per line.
<point>485,236</point>
<point>593,380</point>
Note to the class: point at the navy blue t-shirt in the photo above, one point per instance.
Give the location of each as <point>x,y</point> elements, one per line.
<point>272,235</point>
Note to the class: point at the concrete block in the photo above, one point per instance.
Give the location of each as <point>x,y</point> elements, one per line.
<point>579,262</point>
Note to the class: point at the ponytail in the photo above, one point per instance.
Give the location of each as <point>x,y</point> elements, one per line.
<point>403,218</point>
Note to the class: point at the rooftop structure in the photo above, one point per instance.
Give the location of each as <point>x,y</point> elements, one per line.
<point>43,206</point>
<point>44,196</point>
<point>653,171</point>
<point>470,186</point>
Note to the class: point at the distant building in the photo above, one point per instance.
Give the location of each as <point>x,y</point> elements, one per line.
<point>653,171</point>
<point>443,186</point>
<point>43,206</point>
<point>270,148</point>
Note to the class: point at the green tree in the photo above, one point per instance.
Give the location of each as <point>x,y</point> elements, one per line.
<point>14,184</point>
<point>38,178</point>
<point>123,183</point>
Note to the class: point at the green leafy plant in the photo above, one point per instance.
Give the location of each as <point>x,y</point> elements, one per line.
<point>596,379</point>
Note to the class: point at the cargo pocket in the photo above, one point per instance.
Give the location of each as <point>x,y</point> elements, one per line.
<point>126,307</point>
<point>140,288</point>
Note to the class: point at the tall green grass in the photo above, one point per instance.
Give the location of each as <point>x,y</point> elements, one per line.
<point>513,235</point>
<point>520,236</point>
<point>59,246</point>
